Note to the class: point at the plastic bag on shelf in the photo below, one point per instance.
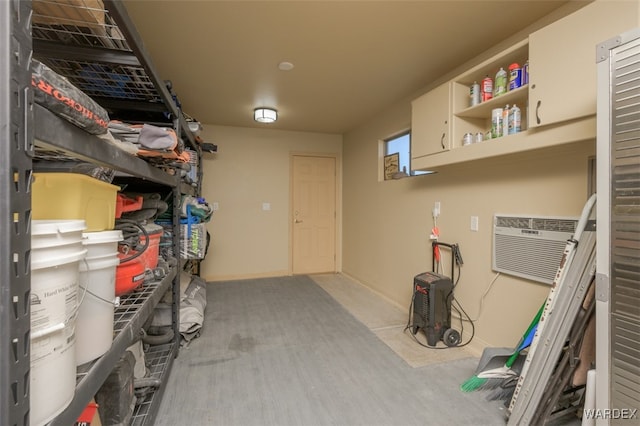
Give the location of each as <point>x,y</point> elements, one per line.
<point>59,96</point>
<point>195,206</point>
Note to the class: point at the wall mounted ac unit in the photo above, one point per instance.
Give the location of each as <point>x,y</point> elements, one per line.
<point>530,247</point>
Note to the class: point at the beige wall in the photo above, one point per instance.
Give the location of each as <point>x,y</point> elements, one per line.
<point>251,168</point>
<point>385,226</point>
<point>387,223</point>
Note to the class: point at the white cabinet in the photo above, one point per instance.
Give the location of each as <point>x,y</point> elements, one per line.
<point>562,57</point>
<point>558,104</point>
<point>430,122</point>
<point>477,118</point>
<point>441,117</point>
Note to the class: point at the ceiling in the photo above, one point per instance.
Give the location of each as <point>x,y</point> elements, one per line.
<point>351,58</point>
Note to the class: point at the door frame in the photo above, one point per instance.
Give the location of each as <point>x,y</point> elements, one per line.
<point>338,193</point>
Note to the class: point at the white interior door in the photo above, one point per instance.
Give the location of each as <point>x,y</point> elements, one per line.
<point>314,214</point>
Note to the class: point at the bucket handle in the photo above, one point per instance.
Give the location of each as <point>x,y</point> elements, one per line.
<point>115,302</point>
<point>75,312</point>
<point>45,331</point>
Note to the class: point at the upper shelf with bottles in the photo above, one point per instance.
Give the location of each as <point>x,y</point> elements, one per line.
<point>462,105</point>
<point>476,117</point>
<point>94,45</point>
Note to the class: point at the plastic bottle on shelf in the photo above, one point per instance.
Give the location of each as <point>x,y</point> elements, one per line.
<point>486,89</point>
<point>514,120</point>
<point>496,122</point>
<point>504,131</point>
<point>474,93</point>
<point>500,87</point>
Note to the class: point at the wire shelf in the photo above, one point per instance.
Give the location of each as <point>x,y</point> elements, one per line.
<point>104,80</point>
<point>63,29</point>
<point>79,23</point>
<point>159,359</point>
<point>130,305</point>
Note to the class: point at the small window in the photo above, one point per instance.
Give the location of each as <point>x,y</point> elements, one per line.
<point>401,144</point>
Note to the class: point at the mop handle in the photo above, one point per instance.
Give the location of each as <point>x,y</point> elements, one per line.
<point>522,343</point>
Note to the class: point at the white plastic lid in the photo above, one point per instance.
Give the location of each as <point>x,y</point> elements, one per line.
<point>58,260</point>
<point>101,237</point>
<point>49,227</point>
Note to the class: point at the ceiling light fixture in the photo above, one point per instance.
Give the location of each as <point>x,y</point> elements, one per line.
<point>285,66</point>
<point>265,115</point>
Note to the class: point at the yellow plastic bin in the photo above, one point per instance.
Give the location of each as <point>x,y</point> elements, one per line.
<point>64,196</point>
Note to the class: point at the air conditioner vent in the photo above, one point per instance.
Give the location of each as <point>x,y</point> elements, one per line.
<point>530,247</point>
<point>557,225</point>
<point>513,222</point>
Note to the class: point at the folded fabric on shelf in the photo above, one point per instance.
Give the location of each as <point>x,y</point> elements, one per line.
<point>154,137</point>
<point>151,141</point>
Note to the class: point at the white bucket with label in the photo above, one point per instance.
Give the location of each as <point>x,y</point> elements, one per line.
<point>97,292</point>
<point>56,251</point>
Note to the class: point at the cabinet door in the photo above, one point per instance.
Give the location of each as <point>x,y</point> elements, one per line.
<point>430,122</point>
<point>562,60</point>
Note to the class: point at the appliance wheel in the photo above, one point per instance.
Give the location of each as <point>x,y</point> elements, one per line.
<point>451,337</point>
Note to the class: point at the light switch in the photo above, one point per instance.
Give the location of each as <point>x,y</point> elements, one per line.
<point>266,206</point>
<point>474,223</point>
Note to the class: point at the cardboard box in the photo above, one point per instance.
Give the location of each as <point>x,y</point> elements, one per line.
<point>81,13</point>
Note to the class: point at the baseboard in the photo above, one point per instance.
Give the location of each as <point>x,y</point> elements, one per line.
<point>376,292</point>
<point>234,277</point>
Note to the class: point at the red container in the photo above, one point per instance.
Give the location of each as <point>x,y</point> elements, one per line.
<point>150,255</point>
<point>126,204</point>
<point>129,275</point>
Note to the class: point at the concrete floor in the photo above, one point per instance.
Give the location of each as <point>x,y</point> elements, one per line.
<point>385,320</point>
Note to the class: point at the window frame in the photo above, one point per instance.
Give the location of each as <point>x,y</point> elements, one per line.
<point>385,152</point>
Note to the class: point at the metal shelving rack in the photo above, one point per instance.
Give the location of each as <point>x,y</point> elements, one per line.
<point>129,318</point>
<point>107,62</point>
<point>16,143</point>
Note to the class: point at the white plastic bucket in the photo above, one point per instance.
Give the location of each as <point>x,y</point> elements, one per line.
<point>97,292</point>
<point>51,238</point>
<point>94,325</point>
<point>56,250</point>
<point>103,243</point>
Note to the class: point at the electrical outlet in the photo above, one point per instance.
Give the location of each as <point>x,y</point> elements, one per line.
<point>215,206</point>
<point>474,223</point>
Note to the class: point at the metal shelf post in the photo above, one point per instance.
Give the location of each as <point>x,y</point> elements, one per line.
<point>16,142</point>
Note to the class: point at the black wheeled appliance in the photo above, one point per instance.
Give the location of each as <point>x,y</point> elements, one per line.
<point>432,298</point>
